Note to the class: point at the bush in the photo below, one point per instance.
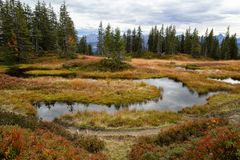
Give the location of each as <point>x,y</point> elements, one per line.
<point>90,143</point>
<point>192,67</point>
<point>18,143</point>
<point>149,55</point>
<point>188,130</point>
<point>206,139</point>
<point>222,144</point>
<point>112,65</point>
<point>139,150</point>
<point>98,156</point>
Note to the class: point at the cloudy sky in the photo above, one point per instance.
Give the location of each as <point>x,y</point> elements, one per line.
<point>203,14</point>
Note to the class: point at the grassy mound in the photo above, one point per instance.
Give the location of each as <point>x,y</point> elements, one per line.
<point>103,65</point>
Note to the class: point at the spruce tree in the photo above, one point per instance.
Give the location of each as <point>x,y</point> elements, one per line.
<point>118,46</point>
<point>205,44</point>
<point>233,47</point>
<point>16,37</point>
<point>187,42</point>
<point>90,51</point>
<point>108,41</point>
<point>139,42</point>
<point>100,44</point>
<point>160,41</point>
<point>53,32</point>
<point>195,45</point>
<point>210,45</point>
<point>129,41</point>
<point>182,43</point>
<point>225,50</point>
<point>66,34</point>
<point>134,41</point>
<point>171,45</point>
<point>151,41</point>
<point>83,46</point>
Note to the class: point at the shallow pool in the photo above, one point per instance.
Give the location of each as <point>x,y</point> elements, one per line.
<point>175,96</point>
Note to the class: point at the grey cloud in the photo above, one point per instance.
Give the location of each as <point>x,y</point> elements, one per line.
<point>153,12</point>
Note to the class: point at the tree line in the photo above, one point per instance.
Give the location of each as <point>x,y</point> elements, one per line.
<point>27,32</point>
<point>165,41</point>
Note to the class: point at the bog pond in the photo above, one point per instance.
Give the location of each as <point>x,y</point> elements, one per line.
<point>175,96</point>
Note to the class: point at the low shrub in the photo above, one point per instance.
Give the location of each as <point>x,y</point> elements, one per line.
<point>149,55</point>
<point>187,130</point>
<point>18,143</point>
<point>98,156</point>
<point>221,144</point>
<point>112,65</point>
<point>192,67</point>
<point>90,143</point>
<point>103,65</point>
<point>139,150</point>
<point>171,143</point>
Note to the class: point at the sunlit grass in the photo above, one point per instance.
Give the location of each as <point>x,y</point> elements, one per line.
<point>121,119</point>
<point>19,94</point>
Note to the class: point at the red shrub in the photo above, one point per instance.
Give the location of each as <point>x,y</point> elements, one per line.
<point>17,143</point>
<point>98,156</point>
<point>221,144</point>
<point>139,150</point>
<point>188,130</point>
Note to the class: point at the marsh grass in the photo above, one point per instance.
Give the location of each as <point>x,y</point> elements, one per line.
<point>19,94</point>
<point>122,119</point>
<point>60,73</point>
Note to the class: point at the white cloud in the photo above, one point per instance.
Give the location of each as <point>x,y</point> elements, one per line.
<point>130,13</point>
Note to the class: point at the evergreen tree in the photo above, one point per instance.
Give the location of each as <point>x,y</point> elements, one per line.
<point>225,50</point>
<point>16,37</point>
<point>44,30</point>
<point>205,44</point>
<point>1,23</point>
<point>210,45</point>
<point>118,45</point>
<point>171,41</point>
<point>53,32</point>
<point>160,41</point>
<point>151,41</point>
<point>83,46</point>
<point>100,45</point>
<point>188,41</point>
<point>108,41</point>
<point>134,40</point>
<point>129,41</point>
<point>66,34</point>
<point>37,33</point>
<point>216,49</point>
<point>195,45</point>
<point>139,41</point>
<point>182,43</point>
<point>90,51</point>
<point>233,47</point>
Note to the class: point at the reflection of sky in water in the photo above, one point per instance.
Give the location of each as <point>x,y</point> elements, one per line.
<point>227,80</point>
<point>175,96</point>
